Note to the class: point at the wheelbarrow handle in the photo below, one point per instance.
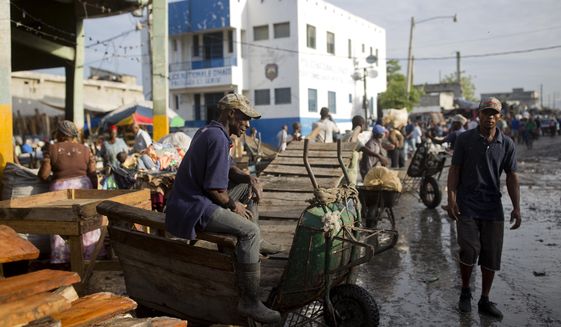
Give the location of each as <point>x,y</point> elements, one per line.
<point>307,165</point>
<point>341,164</point>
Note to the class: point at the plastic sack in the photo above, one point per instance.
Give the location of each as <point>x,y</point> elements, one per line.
<point>19,181</point>
<point>396,117</point>
<point>383,178</point>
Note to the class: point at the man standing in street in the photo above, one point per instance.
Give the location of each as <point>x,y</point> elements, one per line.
<point>200,199</point>
<point>142,139</point>
<point>474,200</point>
<point>323,130</point>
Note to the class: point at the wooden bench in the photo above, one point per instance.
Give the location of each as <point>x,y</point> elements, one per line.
<point>156,221</point>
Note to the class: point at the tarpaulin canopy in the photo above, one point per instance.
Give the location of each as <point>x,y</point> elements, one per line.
<point>140,113</point>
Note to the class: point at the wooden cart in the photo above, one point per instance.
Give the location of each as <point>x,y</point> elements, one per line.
<point>69,213</point>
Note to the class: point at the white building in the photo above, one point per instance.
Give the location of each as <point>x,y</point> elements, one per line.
<point>289,57</point>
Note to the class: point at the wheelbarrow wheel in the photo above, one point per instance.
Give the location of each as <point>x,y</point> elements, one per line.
<point>353,306</point>
<point>430,192</point>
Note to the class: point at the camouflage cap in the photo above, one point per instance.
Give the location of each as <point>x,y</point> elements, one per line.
<point>491,103</point>
<point>239,102</point>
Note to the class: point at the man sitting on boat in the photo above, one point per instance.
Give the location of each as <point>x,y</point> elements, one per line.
<point>200,200</point>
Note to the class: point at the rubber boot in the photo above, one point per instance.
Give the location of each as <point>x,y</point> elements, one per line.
<point>250,305</point>
<point>268,248</point>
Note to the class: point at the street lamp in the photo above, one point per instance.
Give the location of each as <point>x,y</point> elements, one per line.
<point>366,72</point>
<point>410,54</point>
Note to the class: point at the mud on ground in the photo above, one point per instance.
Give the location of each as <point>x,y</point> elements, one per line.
<point>417,283</point>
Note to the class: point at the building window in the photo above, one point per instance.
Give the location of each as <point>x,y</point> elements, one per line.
<point>261,32</point>
<point>332,102</point>
<point>262,97</point>
<point>175,44</point>
<point>230,41</point>
<point>281,30</point>
<point>311,36</point>
<point>350,98</point>
<point>196,48</point>
<point>350,49</point>
<point>363,47</point>
<point>312,100</point>
<point>330,43</point>
<point>177,102</point>
<point>282,95</point>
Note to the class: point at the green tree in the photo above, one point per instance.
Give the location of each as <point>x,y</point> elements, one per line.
<point>466,83</point>
<point>396,92</point>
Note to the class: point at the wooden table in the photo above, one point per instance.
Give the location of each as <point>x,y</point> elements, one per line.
<point>69,213</point>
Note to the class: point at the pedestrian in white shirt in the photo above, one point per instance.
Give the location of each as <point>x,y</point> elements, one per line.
<point>325,127</point>
<point>142,139</point>
<point>416,134</point>
<point>282,138</point>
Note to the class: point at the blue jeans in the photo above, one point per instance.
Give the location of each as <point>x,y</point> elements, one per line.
<point>225,221</point>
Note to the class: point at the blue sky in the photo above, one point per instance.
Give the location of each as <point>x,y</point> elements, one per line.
<point>484,26</point>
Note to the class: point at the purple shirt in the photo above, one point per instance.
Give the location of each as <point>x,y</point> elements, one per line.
<point>204,167</point>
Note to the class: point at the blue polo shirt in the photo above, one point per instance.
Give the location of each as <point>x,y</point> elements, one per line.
<point>204,167</point>
<point>481,165</point>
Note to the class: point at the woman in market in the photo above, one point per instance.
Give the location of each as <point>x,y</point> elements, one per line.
<point>113,147</point>
<point>73,167</point>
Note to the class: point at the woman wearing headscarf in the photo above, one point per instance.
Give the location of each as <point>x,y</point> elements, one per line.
<point>73,167</point>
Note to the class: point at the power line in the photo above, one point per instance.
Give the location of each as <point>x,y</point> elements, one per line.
<point>25,14</point>
<point>484,38</point>
<point>481,55</point>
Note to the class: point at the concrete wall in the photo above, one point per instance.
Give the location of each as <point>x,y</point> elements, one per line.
<point>47,92</point>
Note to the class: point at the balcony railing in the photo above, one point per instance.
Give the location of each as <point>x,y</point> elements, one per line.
<point>202,64</point>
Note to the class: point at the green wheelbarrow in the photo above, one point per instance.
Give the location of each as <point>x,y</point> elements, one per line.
<point>318,284</point>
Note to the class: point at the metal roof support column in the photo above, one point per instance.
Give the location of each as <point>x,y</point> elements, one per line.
<point>160,86</point>
<point>75,80</point>
<point>6,132</point>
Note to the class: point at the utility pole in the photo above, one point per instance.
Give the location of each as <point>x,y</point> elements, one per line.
<point>410,58</point>
<point>74,101</point>
<point>541,96</point>
<point>6,132</point>
<point>365,98</point>
<point>458,71</point>
<point>160,86</point>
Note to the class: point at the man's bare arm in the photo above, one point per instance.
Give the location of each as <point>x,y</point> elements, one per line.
<point>513,187</point>
<point>453,181</point>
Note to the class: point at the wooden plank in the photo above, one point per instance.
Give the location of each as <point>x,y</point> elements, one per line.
<point>301,170</point>
<point>136,198</point>
<point>314,154</point>
<point>43,227</point>
<point>281,212</point>
<point>66,213</point>
<point>345,146</point>
<point>120,212</point>
<point>31,308</point>
<point>124,321</point>
<point>199,293</point>
<point>286,196</point>
<point>24,202</point>
<point>294,183</point>
<point>94,308</point>
<point>19,287</point>
<point>294,161</point>
<point>180,249</point>
<point>14,248</point>
<point>99,194</point>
